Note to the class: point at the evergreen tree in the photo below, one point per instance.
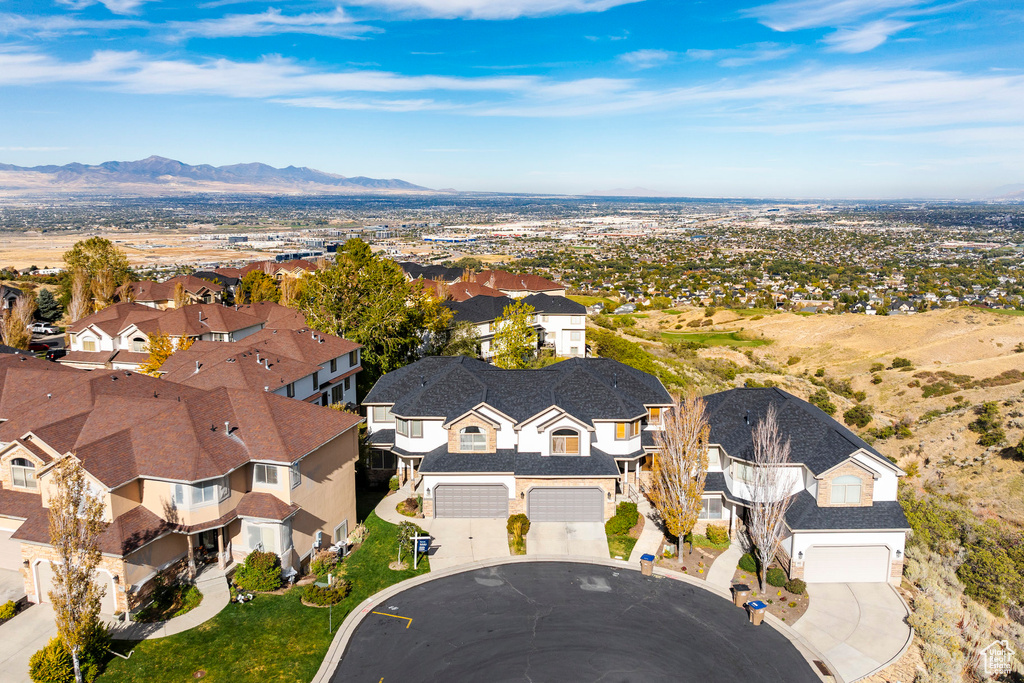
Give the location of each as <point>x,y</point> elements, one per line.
<point>49,308</point>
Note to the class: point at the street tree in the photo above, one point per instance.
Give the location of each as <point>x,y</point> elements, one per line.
<point>92,256</point>
<point>459,340</point>
<point>769,490</point>
<point>680,465</point>
<point>76,521</point>
<point>515,341</point>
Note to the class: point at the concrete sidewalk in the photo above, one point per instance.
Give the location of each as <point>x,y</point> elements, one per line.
<point>859,627</point>
<point>722,570</point>
<point>211,582</point>
<point>651,536</point>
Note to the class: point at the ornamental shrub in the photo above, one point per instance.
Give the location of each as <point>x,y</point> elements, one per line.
<point>53,663</point>
<point>629,511</point>
<point>748,564</point>
<point>7,610</point>
<point>326,595</point>
<point>518,525</point>
<point>775,577</point>
<point>393,484</point>
<point>323,562</point>
<point>261,572</point>
<point>717,534</point>
<point>796,587</point>
<point>617,526</point>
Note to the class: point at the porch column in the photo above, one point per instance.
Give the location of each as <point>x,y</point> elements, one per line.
<point>191,558</point>
<point>220,549</point>
<point>625,478</point>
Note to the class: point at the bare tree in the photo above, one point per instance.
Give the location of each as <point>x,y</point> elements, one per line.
<point>681,465</point>
<point>15,326</point>
<point>76,521</point>
<point>769,489</point>
<point>80,305</point>
<point>103,288</point>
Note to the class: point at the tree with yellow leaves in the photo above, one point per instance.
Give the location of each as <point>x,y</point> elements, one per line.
<point>160,348</point>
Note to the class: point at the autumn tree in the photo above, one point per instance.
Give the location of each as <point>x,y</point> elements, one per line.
<point>15,325</point>
<point>680,465</point>
<point>180,295</point>
<point>80,303</point>
<point>103,287</point>
<point>92,256</point>
<point>366,298</point>
<point>515,341</point>
<point>76,522</point>
<point>291,288</point>
<point>160,348</point>
<point>459,340</point>
<point>127,291</point>
<point>770,488</point>
<point>257,286</point>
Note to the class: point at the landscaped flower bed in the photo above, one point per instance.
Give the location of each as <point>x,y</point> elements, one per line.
<point>623,530</point>
<point>786,599</point>
<point>170,601</point>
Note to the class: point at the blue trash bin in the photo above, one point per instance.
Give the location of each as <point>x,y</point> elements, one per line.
<point>647,564</point>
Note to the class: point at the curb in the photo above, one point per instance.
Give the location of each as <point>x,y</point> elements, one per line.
<point>340,642</point>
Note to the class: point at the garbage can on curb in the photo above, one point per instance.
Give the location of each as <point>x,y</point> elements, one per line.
<point>647,565</point>
<point>740,593</point>
<point>756,608</point>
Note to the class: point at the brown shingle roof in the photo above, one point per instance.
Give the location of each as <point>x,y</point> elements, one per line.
<point>458,291</point>
<point>275,315</point>
<point>116,317</point>
<point>148,290</point>
<point>126,534</point>
<point>510,282</point>
<point>18,504</point>
<point>265,506</point>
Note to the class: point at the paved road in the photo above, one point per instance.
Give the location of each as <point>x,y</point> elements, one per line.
<point>562,622</point>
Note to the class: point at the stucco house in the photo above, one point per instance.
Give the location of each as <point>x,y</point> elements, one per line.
<point>560,323</point>
<point>844,523</point>
<point>187,475</point>
<point>161,294</point>
<point>557,444</point>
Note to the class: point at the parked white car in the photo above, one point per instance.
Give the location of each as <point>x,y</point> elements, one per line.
<point>44,328</point>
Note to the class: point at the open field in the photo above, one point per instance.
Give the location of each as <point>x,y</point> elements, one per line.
<point>713,338</point>
<point>609,305</point>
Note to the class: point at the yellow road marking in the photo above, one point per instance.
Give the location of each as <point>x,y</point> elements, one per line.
<point>395,616</point>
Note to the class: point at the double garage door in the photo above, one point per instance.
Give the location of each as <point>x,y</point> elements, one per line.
<point>44,579</point>
<point>847,564</point>
<point>471,500</point>
<point>566,504</point>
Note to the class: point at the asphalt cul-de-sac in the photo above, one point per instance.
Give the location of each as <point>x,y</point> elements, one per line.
<point>545,622</point>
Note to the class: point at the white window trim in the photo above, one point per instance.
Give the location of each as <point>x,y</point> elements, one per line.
<point>28,474</point>
<point>296,474</point>
<point>255,482</point>
<point>477,442</point>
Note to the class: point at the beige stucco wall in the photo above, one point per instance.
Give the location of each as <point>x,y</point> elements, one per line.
<point>158,497</point>
<point>125,498</point>
<point>327,493</point>
<point>146,561</point>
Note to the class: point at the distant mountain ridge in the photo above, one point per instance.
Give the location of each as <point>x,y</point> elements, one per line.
<point>158,172</point>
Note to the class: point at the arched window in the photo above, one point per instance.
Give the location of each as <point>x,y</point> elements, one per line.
<point>23,473</point>
<point>472,439</point>
<point>139,345</point>
<point>846,490</point>
<point>565,442</point>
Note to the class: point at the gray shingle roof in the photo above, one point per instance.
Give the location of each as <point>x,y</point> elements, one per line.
<point>481,309</point>
<point>805,515</point>
<point>817,440</point>
<point>555,305</point>
<point>586,388</point>
<point>381,437</point>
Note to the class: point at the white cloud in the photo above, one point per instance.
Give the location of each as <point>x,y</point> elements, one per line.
<point>866,37</point>
<point>336,24</point>
<point>745,55</point>
<point>61,25</point>
<point>115,6</point>
<point>792,15</point>
<point>493,9</point>
<point>646,59</point>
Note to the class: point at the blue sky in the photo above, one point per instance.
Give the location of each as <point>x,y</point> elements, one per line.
<point>791,98</point>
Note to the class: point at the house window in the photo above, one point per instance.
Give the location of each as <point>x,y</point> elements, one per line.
<point>23,473</point>
<point>353,358</point>
<point>316,379</point>
<point>196,495</point>
<point>336,394</point>
<point>139,345</point>
<point>264,474</point>
<point>577,320</point>
<point>544,318</point>
<point>574,350</point>
<point>711,508</point>
<point>382,414</point>
<point>654,416</point>
<point>846,490</point>
<point>89,345</point>
<point>290,390</point>
<point>565,442</point>
<point>296,475</point>
<point>472,439</point>
<point>382,460</point>
<point>334,365</point>
<point>348,383</point>
<point>627,430</point>
<point>575,336</point>
<point>265,537</point>
<point>742,471</point>
<point>411,428</point>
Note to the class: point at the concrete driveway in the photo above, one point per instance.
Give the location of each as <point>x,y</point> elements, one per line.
<point>859,627</point>
<point>458,541</point>
<point>21,637</point>
<point>583,539</point>
<point>12,586</point>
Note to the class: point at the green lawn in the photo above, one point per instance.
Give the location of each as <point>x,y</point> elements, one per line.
<point>272,638</point>
<point>1000,311</point>
<point>366,501</point>
<point>620,546</point>
<point>712,338</point>
<point>609,305</point>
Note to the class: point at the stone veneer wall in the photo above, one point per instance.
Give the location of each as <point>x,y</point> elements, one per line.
<point>34,553</point>
<point>472,421</point>
<point>523,485</point>
<point>867,486</point>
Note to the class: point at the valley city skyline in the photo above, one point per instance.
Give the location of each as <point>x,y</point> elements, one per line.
<point>794,98</point>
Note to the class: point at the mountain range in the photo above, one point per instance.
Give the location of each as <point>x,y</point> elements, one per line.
<point>159,175</point>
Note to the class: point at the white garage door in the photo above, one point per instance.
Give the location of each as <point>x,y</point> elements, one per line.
<point>471,500</point>
<point>566,504</point>
<point>10,552</point>
<point>44,579</point>
<point>847,564</point>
